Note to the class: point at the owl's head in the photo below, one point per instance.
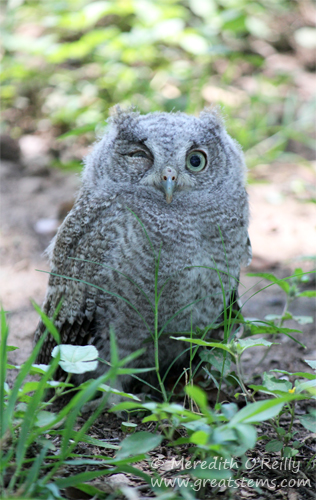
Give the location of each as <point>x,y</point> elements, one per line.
<point>169,155</point>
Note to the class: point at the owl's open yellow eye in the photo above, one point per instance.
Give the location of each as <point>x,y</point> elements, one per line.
<point>196,161</point>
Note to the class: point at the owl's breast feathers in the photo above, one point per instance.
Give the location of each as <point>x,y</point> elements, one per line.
<point>98,252</point>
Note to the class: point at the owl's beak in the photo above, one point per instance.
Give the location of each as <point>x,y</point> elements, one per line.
<point>168,182</point>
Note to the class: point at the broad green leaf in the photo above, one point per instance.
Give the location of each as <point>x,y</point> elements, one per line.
<point>281,431</point>
<point>311,363</point>
<point>309,422</point>
<point>107,388</point>
<point>247,435</point>
<point>44,418</point>
<point>221,435</point>
<point>271,383</point>
<point>197,425</point>
<point>219,360</point>
<point>76,359</point>
<point>270,277</point>
<point>229,410</point>
<point>268,328</point>
<point>264,390</point>
<point>273,317</point>
<point>310,376</point>
<point>74,353</point>
<point>308,293</point>
<point>197,394</point>
<point>225,347</point>
<point>297,444</point>
<point>126,405</point>
<point>304,386</point>
<point>289,452</point>
<point>303,320</point>
<point>211,468</point>
<point>199,438</point>
<point>140,442</point>
<point>245,343</point>
<point>260,411</point>
<point>274,445</point>
<point>128,427</point>
<point>29,387</point>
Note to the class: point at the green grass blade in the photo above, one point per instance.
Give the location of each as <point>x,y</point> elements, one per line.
<point>3,370</point>
<point>122,274</point>
<point>145,231</point>
<point>132,356</point>
<point>113,348</point>
<point>173,362</point>
<point>34,472</point>
<point>271,284</point>
<point>102,290</point>
<point>71,411</point>
<point>49,324</point>
<point>25,436</point>
<point>8,415</point>
<point>183,309</point>
<point>90,475</point>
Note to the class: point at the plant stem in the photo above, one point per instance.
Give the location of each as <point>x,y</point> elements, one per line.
<point>279,325</point>
<point>59,391</point>
<point>241,380</point>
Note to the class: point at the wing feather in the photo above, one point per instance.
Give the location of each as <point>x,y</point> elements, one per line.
<point>76,318</point>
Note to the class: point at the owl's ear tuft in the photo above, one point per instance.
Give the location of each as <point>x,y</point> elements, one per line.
<point>124,122</point>
<point>120,115</point>
<point>213,116</point>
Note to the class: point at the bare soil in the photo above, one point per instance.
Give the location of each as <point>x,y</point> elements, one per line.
<point>282,231</point>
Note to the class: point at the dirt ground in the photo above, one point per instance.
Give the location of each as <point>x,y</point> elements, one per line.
<point>282,231</point>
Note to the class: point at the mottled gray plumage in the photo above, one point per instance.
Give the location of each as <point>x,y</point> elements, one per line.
<point>141,166</point>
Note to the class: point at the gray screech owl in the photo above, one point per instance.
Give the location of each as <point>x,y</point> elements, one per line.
<point>184,179</point>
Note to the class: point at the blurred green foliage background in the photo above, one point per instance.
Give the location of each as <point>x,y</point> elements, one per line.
<point>66,62</point>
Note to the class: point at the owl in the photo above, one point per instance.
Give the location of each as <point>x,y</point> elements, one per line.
<point>161,187</point>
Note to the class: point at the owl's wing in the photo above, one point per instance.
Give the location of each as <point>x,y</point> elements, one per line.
<point>69,282</point>
<point>234,301</point>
